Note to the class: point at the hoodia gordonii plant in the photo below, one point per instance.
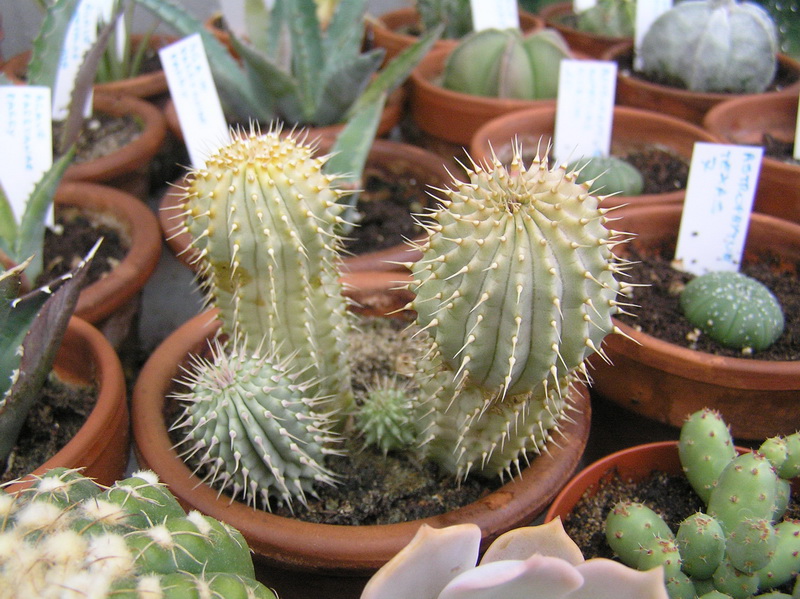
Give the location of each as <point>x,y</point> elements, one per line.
<point>65,537</point>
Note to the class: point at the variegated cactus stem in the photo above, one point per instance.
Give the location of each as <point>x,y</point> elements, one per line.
<point>516,286</point>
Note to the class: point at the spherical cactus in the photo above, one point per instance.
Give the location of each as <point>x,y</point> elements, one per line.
<point>608,175</point>
<point>505,64</point>
<point>614,18</point>
<point>386,417</point>
<point>733,309</point>
<point>712,46</point>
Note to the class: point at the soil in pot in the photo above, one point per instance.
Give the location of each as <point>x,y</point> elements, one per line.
<point>779,149</point>
<point>658,313</point>
<point>101,135</point>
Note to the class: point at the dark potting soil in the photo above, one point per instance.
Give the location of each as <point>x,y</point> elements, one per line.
<point>779,149</point>
<point>101,135</point>
<point>659,313</point>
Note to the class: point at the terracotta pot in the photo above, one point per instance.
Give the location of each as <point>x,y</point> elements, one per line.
<point>102,445</point>
<point>682,103</point>
<point>394,158</point>
<point>666,382</point>
<point>110,302</point>
<point>745,121</point>
<point>560,15</point>
<point>389,30</point>
<point>632,128</point>
<point>301,559</point>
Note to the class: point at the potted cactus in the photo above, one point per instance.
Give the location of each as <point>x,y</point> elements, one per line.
<point>466,398</point>
<point>594,30</point>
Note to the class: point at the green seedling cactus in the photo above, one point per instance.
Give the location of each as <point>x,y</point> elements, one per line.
<point>688,46</point>
<point>740,545</point>
<point>386,418</point>
<point>506,64</point>
<point>454,15</point>
<point>67,536</point>
<point>614,18</point>
<point>608,175</point>
<point>733,309</point>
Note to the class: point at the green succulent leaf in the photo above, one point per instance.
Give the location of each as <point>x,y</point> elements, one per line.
<point>46,49</point>
<point>344,86</point>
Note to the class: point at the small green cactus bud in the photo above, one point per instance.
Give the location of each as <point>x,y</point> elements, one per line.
<point>733,309</point>
<point>790,467</point>
<point>661,552</point>
<point>631,528</point>
<point>386,417</point>
<point>703,586</point>
<point>680,586</point>
<point>705,449</point>
<point>782,499</point>
<point>608,175</point>
<point>613,18</point>
<point>751,544</point>
<point>776,450</point>
<point>735,583</point>
<point>701,542</point>
<point>505,64</point>
<point>785,563</point>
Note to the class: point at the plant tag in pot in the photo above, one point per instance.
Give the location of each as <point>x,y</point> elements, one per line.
<point>716,211</point>
<point>196,100</point>
<point>494,14</point>
<point>26,137</point>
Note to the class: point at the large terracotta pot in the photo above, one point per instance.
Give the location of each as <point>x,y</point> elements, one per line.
<point>666,382</point>
<point>391,30</point>
<point>745,121</point>
<point>102,445</point>
<point>632,129</point>
<point>300,559</point>
<point>109,302</point>
<point>692,106</point>
<point>559,16</point>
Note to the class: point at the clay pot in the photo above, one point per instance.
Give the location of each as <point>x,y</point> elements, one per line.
<point>300,559</point>
<point>667,382</point>
<point>389,30</point>
<point>745,121</point>
<point>632,128</point>
<point>110,302</point>
<point>102,445</point>
<point>682,103</point>
<point>558,15</point>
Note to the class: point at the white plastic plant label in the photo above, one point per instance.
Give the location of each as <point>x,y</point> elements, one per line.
<point>716,211</point>
<point>796,153</point>
<point>26,136</point>
<point>584,109</point>
<point>494,14</point>
<point>647,11</point>
<point>192,88</point>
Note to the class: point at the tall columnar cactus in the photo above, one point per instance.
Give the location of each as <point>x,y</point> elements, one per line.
<point>263,217</point>
<point>516,287</point>
<point>66,536</point>
<point>741,544</point>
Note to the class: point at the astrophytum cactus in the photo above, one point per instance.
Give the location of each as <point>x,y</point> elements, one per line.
<point>615,18</point>
<point>516,288</point>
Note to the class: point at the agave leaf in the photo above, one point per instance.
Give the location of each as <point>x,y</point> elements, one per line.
<point>344,85</point>
<point>40,318</point>
<point>345,32</point>
<point>258,24</point>
<point>49,42</point>
<point>270,81</point>
<point>8,224</point>
<point>308,59</point>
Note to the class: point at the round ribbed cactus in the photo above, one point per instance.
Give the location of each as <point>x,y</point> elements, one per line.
<point>614,18</point>
<point>505,64</point>
<point>608,175</point>
<point>733,309</point>
<point>516,287</point>
<point>712,46</point>
<point>65,536</point>
<point>386,417</point>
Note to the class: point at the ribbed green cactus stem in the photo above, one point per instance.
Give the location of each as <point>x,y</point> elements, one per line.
<point>263,218</point>
<point>705,449</point>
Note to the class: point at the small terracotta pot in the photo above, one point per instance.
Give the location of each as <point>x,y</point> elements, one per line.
<point>632,128</point>
<point>102,445</point>
<point>682,103</point>
<point>300,559</point>
<point>388,31</point>
<point>745,121</point>
<point>101,301</point>
<point>667,382</point>
<point>557,15</point>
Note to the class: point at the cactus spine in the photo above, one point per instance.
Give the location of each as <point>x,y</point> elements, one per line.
<point>516,288</point>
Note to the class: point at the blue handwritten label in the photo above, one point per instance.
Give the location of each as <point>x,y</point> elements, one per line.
<point>494,14</point>
<point>584,109</point>
<point>716,212</point>
<point>27,141</point>
<point>192,88</point>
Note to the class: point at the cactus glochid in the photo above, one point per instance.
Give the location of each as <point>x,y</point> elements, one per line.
<point>66,536</point>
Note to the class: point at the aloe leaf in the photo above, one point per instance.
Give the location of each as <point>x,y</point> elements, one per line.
<point>8,225</point>
<point>308,59</point>
<point>49,43</point>
<point>257,23</point>
<point>344,86</point>
<point>345,32</point>
<point>268,79</point>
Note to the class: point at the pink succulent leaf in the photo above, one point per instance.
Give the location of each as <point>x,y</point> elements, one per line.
<point>607,579</point>
<point>538,577</point>
<point>425,566</point>
<point>546,539</point>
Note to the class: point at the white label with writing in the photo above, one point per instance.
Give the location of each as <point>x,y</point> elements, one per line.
<point>578,6</point>
<point>647,11</point>
<point>494,14</point>
<point>716,211</point>
<point>195,96</point>
<point>26,136</point>
<point>796,154</point>
<point>584,109</point>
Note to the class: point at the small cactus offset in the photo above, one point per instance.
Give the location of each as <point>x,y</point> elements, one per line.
<point>614,18</point>
<point>66,536</point>
<point>733,309</point>
<point>516,287</point>
<point>386,417</point>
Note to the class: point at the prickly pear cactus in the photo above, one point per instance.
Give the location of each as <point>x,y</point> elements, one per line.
<point>608,175</point>
<point>505,64</point>
<point>516,287</point>
<point>614,18</point>
<point>733,309</point>
<point>712,46</point>
<point>66,536</point>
